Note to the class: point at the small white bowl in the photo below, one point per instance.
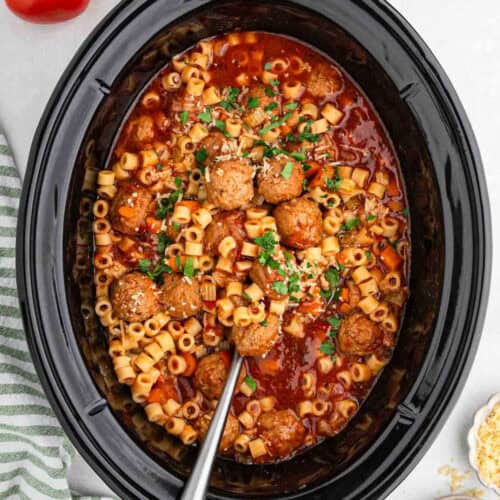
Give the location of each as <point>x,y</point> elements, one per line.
<point>480,416</point>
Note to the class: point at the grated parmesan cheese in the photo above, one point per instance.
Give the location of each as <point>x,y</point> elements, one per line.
<point>488,448</point>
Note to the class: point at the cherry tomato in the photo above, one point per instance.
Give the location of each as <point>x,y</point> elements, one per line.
<point>47,11</point>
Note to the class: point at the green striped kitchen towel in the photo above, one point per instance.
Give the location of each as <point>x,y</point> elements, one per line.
<point>34,452</point>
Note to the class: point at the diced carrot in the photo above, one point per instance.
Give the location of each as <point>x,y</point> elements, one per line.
<point>315,168</point>
<point>341,257</point>
<point>390,258</point>
<point>226,358</point>
<point>172,262</point>
<point>161,392</point>
<point>286,129</point>
<point>154,225</point>
<point>397,206</point>
<point>269,366</point>
<point>344,308</point>
<point>310,307</point>
<point>319,179</point>
<point>126,212</point>
<point>392,188</point>
<point>190,364</point>
<point>344,294</point>
<point>192,205</point>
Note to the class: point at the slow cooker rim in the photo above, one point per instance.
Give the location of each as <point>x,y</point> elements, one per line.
<point>30,199</point>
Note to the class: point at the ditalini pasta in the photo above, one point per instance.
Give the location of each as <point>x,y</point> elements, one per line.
<point>253,202</point>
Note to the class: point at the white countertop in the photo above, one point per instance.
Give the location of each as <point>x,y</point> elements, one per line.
<point>465,37</point>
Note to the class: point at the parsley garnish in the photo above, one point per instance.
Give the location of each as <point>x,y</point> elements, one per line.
<point>334,322</point>
<point>220,125</point>
<point>253,102</point>
<point>280,287</point>
<point>189,267</point>
<point>299,156</point>
<point>178,182</point>
<point>332,276</point>
<point>270,92</point>
<point>163,241</point>
<point>404,212</point>
<point>201,155</point>
<point>184,116</point>
<point>266,241</point>
<point>287,170</point>
<point>370,217</point>
<point>156,273</point>
<point>271,106</point>
<point>276,123</point>
<point>327,348</point>
<point>159,166</point>
<point>166,205</point>
<point>274,82</point>
<point>250,382</point>
<point>268,66</point>
<point>246,296</point>
<point>264,322</point>
<point>144,265</point>
<point>292,105</point>
<point>205,116</point>
<point>368,255</point>
<point>350,224</point>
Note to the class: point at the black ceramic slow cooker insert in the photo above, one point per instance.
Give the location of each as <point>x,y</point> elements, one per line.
<point>450,265</point>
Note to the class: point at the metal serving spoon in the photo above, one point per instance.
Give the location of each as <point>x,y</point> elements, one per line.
<point>197,484</point>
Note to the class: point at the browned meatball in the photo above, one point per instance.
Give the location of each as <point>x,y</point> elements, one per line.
<point>264,277</point>
<point>324,80</point>
<point>257,339</point>
<point>130,196</point>
<point>230,184</point>
<point>215,144</point>
<point>211,375</point>
<point>224,224</point>
<point>282,181</point>
<point>133,297</point>
<point>231,430</point>
<point>299,223</point>
<point>359,335</point>
<point>181,296</point>
<point>282,431</point>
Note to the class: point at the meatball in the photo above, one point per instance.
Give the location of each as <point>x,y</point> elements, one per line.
<point>231,430</point>
<point>257,339</point>
<point>210,375</point>
<point>324,80</point>
<point>129,207</point>
<point>359,335</point>
<point>230,184</point>
<point>282,181</point>
<point>181,296</point>
<point>282,431</point>
<point>264,277</point>
<point>224,224</point>
<point>299,223</point>
<point>215,144</point>
<point>133,297</point>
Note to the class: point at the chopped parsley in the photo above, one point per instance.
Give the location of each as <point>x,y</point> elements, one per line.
<point>221,125</point>
<point>306,167</point>
<point>266,241</point>
<point>205,116</point>
<point>201,155</point>
<point>268,66</point>
<point>368,255</point>
<point>230,102</point>
<point>274,82</point>
<point>291,105</point>
<point>404,212</point>
<point>178,182</point>
<point>287,170</point>
<point>250,381</point>
<point>246,296</point>
<point>156,274</point>
<point>280,287</point>
<point>271,106</point>
<point>334,322</point>
<point>370,217</point>
<point>166,205</point>
<point>184,116</point>
<point>270,92</point>
<point>159,166</point>
<point>332,276</point>
<point>350,224</point>
<point>176,226</point>
<point>189,267</point>
<point>327,348</point>
<point>299,156</point>
<point>275,123</point>
<point>253,102</point>
<point>264,322</point>
<point>163,241</point>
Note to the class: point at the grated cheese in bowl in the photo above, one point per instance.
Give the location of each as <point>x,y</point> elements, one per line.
<point>484,444</point>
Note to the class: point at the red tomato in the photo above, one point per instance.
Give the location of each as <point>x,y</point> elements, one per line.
<point>47,11</point>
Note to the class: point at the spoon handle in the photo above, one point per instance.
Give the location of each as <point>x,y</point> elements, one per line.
<point>197,484</point>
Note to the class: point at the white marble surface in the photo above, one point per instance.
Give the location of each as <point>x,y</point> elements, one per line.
<point>464,35</point>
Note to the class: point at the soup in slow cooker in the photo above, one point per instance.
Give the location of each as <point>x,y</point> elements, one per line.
<point>254,202</point>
